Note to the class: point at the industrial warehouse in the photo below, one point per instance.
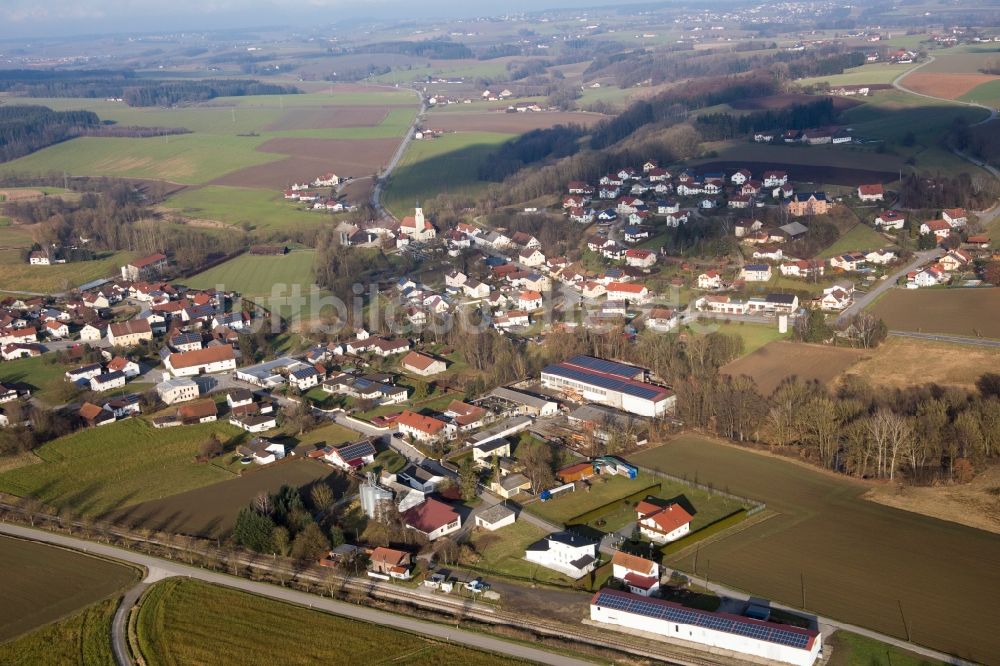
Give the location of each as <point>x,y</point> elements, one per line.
<point>589,379</point>
<point>722,631</point>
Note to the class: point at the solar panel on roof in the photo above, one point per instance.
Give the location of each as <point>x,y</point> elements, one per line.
<point>610,383</point>
<point>605,366</point>
<point>765,632</point>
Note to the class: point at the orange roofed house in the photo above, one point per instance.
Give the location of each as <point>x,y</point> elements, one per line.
<point>642,576</point>
<point>424,428</point>
<point>201,361</point>
<point>662,524</point>
<point>422,364</point>
<point>871,192</point>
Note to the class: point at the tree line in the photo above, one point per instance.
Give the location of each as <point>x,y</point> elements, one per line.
<point>720,126</point>
<point>133,91</point>
<point>27,128</point>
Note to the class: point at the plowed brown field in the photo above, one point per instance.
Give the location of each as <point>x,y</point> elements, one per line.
<point>945,86</point>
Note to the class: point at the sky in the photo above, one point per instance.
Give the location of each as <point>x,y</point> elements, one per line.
<point>39,18</point>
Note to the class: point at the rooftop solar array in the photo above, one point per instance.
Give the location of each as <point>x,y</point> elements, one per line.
<point>605,366</point>
<point>759,630</point>
<point>633,388</point>
<point>356,450</point>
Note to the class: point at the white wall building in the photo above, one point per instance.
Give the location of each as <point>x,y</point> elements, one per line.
<point>569,554</point>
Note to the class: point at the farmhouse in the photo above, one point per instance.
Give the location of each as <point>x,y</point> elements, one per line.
<point>422,365</point>
<point>662,524</point>
<point>642,576</point>
<point>145,268</point>
<point>199,411</point>
<point>433,519</point>
<point>773,642</point>
<point>203,361</point>
<point>129,333</point>
<point>570,554</point>
<point>609,383</point>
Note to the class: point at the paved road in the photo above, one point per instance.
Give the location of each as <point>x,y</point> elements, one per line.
<point>953,339</point>
<point>376,199</point>
<point>168,568</point>
<point>119,625</point>
<point>863,301</point>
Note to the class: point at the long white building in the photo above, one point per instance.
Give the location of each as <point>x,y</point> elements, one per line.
<point>718,631</point>
<point>609,383</point>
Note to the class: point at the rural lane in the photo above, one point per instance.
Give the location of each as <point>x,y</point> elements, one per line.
<point>953,339</point>
<point>376,200</point>
<point>167,568</point>
<point>119,625</point>
<point>889,282</point>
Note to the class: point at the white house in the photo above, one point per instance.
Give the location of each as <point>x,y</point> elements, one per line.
<point>422,364</point>
<point>662,524</point>
<point>890,219</point>
<point>642,576</point>
<point>956,217</point>
<point>710,280</point>
<point>178,389</point>
<point>423,428</point>
<point>262,451</point>
<point>640,258</point>
<point>201,362</point>
<point>874,192</point>
<point>756,272</point>
<point>570,554</point>
<point>91,333</point>
<point>56,329</point>
<point>351,455</point>
<point>108,381</point>
<point>432,518</point>
<point>628,292</point>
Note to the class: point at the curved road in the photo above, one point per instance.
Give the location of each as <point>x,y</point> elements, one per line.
<point>160,568</point>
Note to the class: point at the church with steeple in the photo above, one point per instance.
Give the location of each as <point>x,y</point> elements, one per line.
<point>416,227</point>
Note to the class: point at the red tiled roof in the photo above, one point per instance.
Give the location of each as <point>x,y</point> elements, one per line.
<point>869,190</point>
<point>417,360</point>
<point>429,516</point>
<point>201,356</point>
<point>416,421</point>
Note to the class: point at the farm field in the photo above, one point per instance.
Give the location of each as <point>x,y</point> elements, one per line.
<point>773,363</point>
<point>189,622</point>
<point>970,312</point>
<point>83,638</point>
<point>954,62</point>
<point>449,164</point>
<point>20,276</point>
<point>300,159</point>
<point>877,72</point>
<point>945,85</point>
<point>262,209</point>
<point>900,362</point>
<point>511,123</point>
<point>861,237</point>
<point>211,511</point>
<point>96,471</point>
<point>603,490</point>
<point>43,584</point>
<point>850,649</point>
<point>854,560</point>
<point>257,275</point>
<point>985,93</point>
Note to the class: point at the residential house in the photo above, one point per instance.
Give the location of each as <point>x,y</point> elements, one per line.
<point>956,217</point>
<point>56,329</point>
<point>955,260</point>
<point>120,364</point>
<point>940,228</point>
<point>529,300</point>
<point>177,389</point>
<point>774,178</point>
<point>94,415</point>
<point>433,519</point>
<point>890,219</point>
<point>756,272</point>
<point>568,553</point>
<point>221,358</point>
<point>629,292</point>
<point>848,262</point>
<point>640,575</point>
<point>880,257</point>
<point>391,562</point>
<point>710,280</point>
<point>129,333</point>
<point>640,258</point>
<point>423,428</point>
<point>873,192</point>
<point>661,319</point>
<point>350,456</point>
<point>422,364</point>
<point>510,485</point>
<point>84,373</point>
<point>807,203</point>
<point>145,268</point>
<point>662,524</point>
<point>802,268</point>
<point>199,411</point>
<point>91,333</point>
<point>304,378</point>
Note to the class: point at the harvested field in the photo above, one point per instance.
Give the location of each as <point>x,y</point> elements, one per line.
<point>211,511</point>
<point>775,362</point>
<point>946,86</point>
<point>83,638</point>
<point>975,504</point>
<point>311,157</point>
<point>508,123</point>
<point>329,117</point>
<point>808,173</point>
<point>971,312</point>
<point>850,559</point>
<point>43,584</point>
<point>773,102</point>
<point>900,362</point>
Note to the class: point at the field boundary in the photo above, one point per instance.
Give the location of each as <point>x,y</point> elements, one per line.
<point>582,519</point>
